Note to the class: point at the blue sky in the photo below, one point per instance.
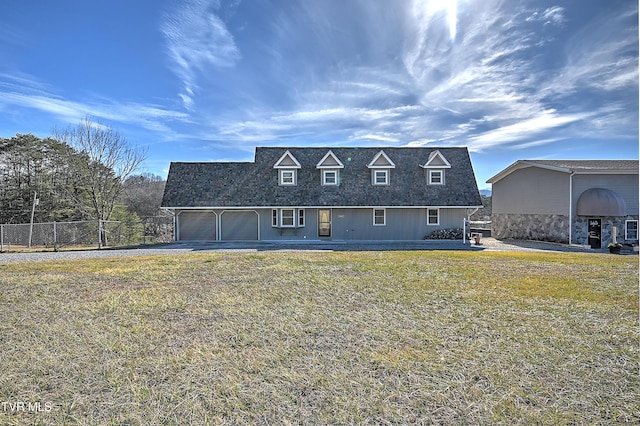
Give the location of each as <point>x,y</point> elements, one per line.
<point>209,80</point>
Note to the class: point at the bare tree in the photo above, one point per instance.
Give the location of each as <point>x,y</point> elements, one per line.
<point>143,194</point>
<point>108,160</point>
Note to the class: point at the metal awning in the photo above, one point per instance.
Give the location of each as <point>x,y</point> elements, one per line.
<point>601,202</point>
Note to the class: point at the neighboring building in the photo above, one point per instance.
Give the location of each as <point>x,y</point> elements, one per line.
<point>323,193</point>
<point>568,201</point>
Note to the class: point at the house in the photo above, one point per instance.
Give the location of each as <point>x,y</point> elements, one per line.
<point>323,194</point>
<point>568,201</point>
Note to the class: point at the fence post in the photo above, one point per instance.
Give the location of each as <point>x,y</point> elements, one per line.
<point>99,234</point>
<point>1,237</point>
<point>464,231</point>
<point>55,237</point>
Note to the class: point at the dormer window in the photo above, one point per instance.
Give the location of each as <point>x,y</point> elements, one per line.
<point>287,167</point>
<point>330,167</point>
<point>330,177</point>
<point>381,166</point>
<point>435,168</point>
<point>436,177</point>
<point>381,177</point>
<point>288,177</point>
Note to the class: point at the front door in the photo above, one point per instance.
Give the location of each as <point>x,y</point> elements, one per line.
<point>324,223</point>
<point>595,230</point>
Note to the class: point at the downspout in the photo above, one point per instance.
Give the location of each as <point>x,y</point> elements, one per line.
<point>571,204</point>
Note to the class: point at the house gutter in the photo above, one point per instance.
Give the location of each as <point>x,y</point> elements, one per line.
<point>573,172</point>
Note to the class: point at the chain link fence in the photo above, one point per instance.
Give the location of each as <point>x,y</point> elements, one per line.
<point>85,234</point>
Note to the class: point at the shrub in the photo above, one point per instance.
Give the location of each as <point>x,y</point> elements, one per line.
<point>446,234</point>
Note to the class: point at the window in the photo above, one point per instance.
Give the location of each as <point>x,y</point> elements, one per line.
<point>381,177</point>
<point>329,177</point>
<point>436,177</point>
<point>287,177</point>
<point>379,217</point>
<point>433,217</point>
<point>631,230</point>
<point>287,218</point>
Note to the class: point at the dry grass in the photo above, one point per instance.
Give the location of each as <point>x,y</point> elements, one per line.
<point>322,338</point>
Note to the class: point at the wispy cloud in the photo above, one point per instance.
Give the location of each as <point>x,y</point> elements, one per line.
<point>197,41</point>
<point>442,72</point>
<point>524,129</point>
<point>26,92</point>
<point>551,15</point>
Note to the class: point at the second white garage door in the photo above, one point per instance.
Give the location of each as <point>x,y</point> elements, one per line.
<point>239,226</point>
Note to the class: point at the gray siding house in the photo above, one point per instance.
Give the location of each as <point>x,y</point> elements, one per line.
<point>568,201</point>
<point>323,194</point>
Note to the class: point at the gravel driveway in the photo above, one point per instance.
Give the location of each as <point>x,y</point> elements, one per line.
<point>216,247</point>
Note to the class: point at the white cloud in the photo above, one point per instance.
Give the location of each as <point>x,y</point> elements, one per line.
<point>197,40</point>
<point>381,137</point>
<point>483,74</point>
<point>33,95</point>
<point>551,15</point>
<point>523,130</point>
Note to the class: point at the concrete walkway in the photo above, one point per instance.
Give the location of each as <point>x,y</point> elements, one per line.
<point>487,244</point>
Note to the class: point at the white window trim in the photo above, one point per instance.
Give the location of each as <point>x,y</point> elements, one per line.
<point>293,218</point>
<point>374,173</point>
<point>324,177</point>
<point>626,229</point>
<point>384,217</point>
<point>432,172</point>
<point>277,218</point>
<point>438,217</point>
<point>294,173</point>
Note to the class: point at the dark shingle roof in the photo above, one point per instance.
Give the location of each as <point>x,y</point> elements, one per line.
<point>255,184</point>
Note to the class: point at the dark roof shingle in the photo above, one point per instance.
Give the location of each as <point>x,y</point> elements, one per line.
<point>255,184</point>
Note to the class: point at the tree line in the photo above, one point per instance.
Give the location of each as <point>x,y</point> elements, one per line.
<point>83,172</point>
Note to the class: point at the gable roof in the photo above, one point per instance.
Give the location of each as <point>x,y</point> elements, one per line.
<point>572,166</point>
<point>381,161</point>
<point>330,161</point>
<point>255,184</point>
<point>437,161</point>
<point>287,161</point>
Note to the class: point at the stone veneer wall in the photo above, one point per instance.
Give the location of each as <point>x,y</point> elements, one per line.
<point>580,229</point>
<point>554,228</point>
<point>540,227</point>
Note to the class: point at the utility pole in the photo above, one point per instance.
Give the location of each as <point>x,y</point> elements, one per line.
<point>33,210</point>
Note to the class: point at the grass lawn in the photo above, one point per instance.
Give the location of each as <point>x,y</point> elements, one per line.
<point>321,338</point>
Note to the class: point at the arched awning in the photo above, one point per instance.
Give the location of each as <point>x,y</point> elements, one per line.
<point>601,202</point>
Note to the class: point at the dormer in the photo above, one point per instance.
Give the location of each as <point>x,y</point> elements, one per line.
<point>381,166</point>
<point>330,167</point>
<point>435,168</point>
<point>287,167</point>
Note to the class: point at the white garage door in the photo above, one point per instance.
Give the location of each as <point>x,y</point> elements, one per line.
<point>239,226</point>
<point>197,226</point>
